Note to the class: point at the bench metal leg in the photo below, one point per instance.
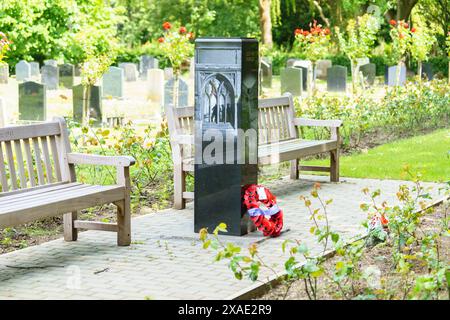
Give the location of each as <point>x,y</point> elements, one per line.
<point>123,223</point>
<point>295,169</point>
<point>334,165</point>
<point>70,232</point>
<point>179,180</point>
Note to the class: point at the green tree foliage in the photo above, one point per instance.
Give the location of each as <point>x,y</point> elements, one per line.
<point>44,29</point>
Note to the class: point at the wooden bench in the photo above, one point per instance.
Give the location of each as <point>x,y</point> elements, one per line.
<point>278,141</point>
<point>38,180</point>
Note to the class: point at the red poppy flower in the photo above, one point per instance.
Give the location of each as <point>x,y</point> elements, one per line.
<point>327,31</point>
<point>161,40</point>
<point>413,30</point>
<point>182,30</point>
<point>406,25</point>
<point>393,23</point>
<point>298,31</point>
<point>166,25</point>
<point>306,33</point>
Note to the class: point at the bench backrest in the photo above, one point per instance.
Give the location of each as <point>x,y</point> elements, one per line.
<point>31,155</point>
<point>275,120</point>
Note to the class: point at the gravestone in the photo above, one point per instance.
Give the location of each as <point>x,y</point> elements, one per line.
<point>51,62</point>
<point>290,62</point>
<point>369,73</point>
<point>266,73</point>
<point>66,75</point>
<point>155,79</point>
<point>226,103</point>
<point>427,71</point>
<point>2,113</point>
<point>4,73</point>
<point>77,70</point>
<point>32,101</point>
<point>145,63</point>
<point>50,77</point>
<point>322,68</point>
<point>23,71</point>
<point>360,62</point>
<point>391,79</point>
<point>168,73</point>
<point>130,71</point>
<point>113,82</point>
<point>292,81</point>
<point>337,79</point>
<point>306,66</point>
<point>95,103</point>
<point>35,69</point>
<point>183,93</point>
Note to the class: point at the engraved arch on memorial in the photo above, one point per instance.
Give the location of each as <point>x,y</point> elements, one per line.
<point>218,100</point>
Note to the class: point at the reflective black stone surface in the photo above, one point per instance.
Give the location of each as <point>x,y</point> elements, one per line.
<point>226,100</point>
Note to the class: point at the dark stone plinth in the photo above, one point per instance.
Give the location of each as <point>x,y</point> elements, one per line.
<point>32,101</point>
<point>95,103</point>
<point>226,99</point>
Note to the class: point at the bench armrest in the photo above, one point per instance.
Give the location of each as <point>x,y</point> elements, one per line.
<point>92,159</point>
<point>317,123</point>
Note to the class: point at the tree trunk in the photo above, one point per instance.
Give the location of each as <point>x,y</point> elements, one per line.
<point>265,21</point>
<point>419,70</point>
<point>404,8</point>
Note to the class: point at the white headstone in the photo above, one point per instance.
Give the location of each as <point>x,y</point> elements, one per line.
<point>155,78</point>
<point>168,73</point>
<point>130,70</point>
<point>23,71</point>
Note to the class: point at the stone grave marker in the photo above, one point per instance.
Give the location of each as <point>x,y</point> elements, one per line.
<point>35,69</point>
<point>50,77</point>
<point>95,103</point>
<point>305,67</point>
<point>145,63</point>
<point>337,79</point>
<point>77,70</point>
<point>266,73</point>
<point>130,71</point>
<point>369,73</point>
<point>113,82</point>
<point>155,78</point>
<point>183,93</point>
<point>292,81</point>
<point>51,62</point>
<point>427,71</point>
<point>32,101</point>
<point>66,75</point>
<point>391,79</point>
<point>4,73</point>
<point>322,68</point>
<point>168,73</point>
<point>23,71</point>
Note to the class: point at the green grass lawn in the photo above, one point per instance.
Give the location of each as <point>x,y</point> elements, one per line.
<point>428,154</point>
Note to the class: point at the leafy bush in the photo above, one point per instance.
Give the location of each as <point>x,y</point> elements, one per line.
<point>402,110</point>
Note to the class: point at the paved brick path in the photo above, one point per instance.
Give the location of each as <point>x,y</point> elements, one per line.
<point>166,261</point>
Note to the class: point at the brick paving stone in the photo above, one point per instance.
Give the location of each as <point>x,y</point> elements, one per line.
<point>166,260</point>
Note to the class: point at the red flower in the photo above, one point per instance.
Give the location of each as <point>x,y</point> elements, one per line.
<point>182,30</point>
<point>406,25</point>
<point>413,30</point>
<point>306,33</point>
<point>161,39</point>
<point>190,35</point>
<point>166,25</point>
<point>401,35</point>
<point>327,31</point>
<point>298,31</point>
<point>393,23</point>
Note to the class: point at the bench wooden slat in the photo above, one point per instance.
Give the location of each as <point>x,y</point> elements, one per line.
<point>95,225</point>
<point>3,177</point>
<point>11,165</point>
<point>35,189</point>
<point>54,207</point>
<point>47,160</point>
<point>55,158</point>
<point>20,163</point>
<point>29,131</point>
<point>29,157</point>
<point>37,155</point>
<point>48,191</point>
